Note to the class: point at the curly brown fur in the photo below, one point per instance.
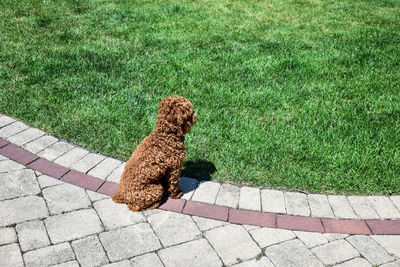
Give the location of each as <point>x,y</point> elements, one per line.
<point>156,163</point>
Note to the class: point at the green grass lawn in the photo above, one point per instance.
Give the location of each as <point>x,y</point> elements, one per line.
<point>290,94</point>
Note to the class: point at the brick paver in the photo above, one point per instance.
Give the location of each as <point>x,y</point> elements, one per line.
<point>115,215</point>
<point>222,239</point>
<point>18,184</point>
<point>343,252</point>
<point>22,209</point>
<point>206,192</point>
<point>10,255</point>
<point>89,251</point>
<point>250,198</point>
<point>291,253</point>
<point>197,253</point>
<point>127,242</point>
<point>173,228</point>
<point>32,235</point>
<point>65,197</point>
<point>50,255</point>
<point>273,201</point>
<point>7,236</point>
<point>73,225</point>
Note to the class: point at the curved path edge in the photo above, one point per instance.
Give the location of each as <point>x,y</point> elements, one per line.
<point>211,211</point>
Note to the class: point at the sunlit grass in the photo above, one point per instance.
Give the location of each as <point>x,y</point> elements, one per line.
<point>290,94</point>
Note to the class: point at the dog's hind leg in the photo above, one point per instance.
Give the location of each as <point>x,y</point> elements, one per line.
<point>172,181</point>
<point>149,198</point>
<point>118,198</point>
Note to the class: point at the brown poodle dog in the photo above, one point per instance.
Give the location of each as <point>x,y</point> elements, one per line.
<point>156,163</point>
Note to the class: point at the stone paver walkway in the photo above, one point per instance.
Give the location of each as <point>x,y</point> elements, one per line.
<point>60,222</point>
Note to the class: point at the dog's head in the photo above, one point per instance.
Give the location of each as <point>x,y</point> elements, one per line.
<point>175,115</point>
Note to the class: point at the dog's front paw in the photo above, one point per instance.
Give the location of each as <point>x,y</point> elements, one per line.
<point>179,194</point>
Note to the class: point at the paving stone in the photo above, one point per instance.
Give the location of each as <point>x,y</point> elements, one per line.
<point>147,213</point>
<point>197,253</point>
<point>188,186</point>
<point>93,196</point>
<point>175,205</point>
<point>115,215</point>
<point>7,236</point>
<point>173,228</point>
<point>206,192</point>
<point>32,235</point>
<point>228,196</point>
<point>291,253</point>
<point>89,251</point>
<point>250,198</point>
<point>115,176</point>
<point>26,136</point>
<point>362,207</point>
<point>10,165</point>
<point>65,197</point>
<point>206,224</point>
<point>73,225</point>
<point>311,239</point>
<point>18,184</point>
<point>22,209</point>
<point>124,243</point>
<point>88,162</point>
<point>297,204</point>
<point>341,207</point>
<point>272,201</point>
<point>46,181</point>
<point>333,237</point>
<point>124,263</point>
<point>71,157</point>
<point>389,242</point>
<point>104,168</point>
<point>149,259</point>
<point>357,262</point>
<point>269,236</point>
<point>5,120</point>
<point>384,207</point>
<point>262,262</point>
<point>222,239</point>
<point>369,249</point>
<point>49,255</point>
<point>55,150</point>
<point>251,217</point>
<point>2,158</point>
<point>343,252</point>
<point>10,255</point>
<point>392,264</point>
<point>67,264</point>
<point>396,201</point>
<point>12,129</point>
<point>41,143</point>
<point>250,227</point>
<point>319,206</point>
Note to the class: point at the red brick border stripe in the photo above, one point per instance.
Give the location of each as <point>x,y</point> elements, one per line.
<point>300,223</point>
<point>18,154</point>
<point>82,180</point>
<point>384,227</point>
<point>49,168</point>
<point>358,227</point>
<point>237,216</point>
<point>249,217</point>
<point>206,210</point>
